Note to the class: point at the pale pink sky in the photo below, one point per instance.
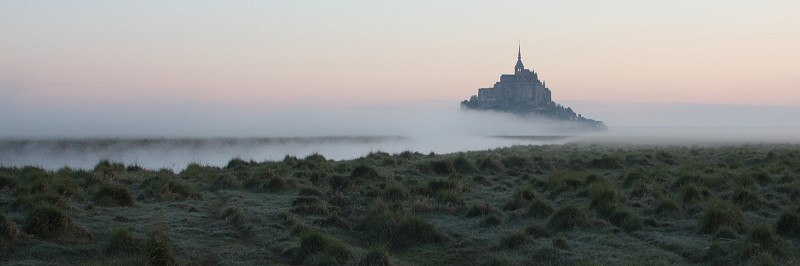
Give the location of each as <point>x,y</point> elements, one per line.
<point>88,62</point>
<point>362,52</point>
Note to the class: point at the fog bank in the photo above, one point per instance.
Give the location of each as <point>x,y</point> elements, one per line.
<point>172,136</point>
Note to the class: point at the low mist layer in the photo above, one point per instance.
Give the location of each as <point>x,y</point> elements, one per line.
<point>161,137</point>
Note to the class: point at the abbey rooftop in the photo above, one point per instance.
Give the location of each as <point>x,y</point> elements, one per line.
<point>522,93</point>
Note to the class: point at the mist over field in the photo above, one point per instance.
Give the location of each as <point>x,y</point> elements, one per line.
<point>174,136</point>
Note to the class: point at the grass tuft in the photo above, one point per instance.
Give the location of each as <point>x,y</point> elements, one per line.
<point>721,213</point>
<point>490,221</point>
<point>568,217</point>
<point>537,230</point>
<point>317,248</point>
<point>114,195</point>
<point>276,183</point>
<point>520,199</point>
<point>122,241</point>
<point>788,223</point>
<point>9,232</point>
<point>491,164</point>
<point>607,162</point>
<point>725,233</point>
<point>310,206</point>
<point>376,256</point>
<point>560,243</point>
<point>235,216</point>
<point>513,241</point>
<point>693,193</point>
<point>481,209</point>
<point>763,235</point>
<point>464,166</point>
<point>364,172</point>
<point>6,181</point>
<point>667,205</point>
<point>108,169</point>
<point>746,198</point>
<point>412,231</point>
<point>158,251</point>
<point>226,181</point>
<point>540,208</point>
<point>47,221</point>
<point>395,193</point>
<point>604,197</point>
<point>441,167</point>
<point>166,186</point>
<point>625,218</point>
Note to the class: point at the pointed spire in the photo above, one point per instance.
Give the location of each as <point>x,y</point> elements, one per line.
<point>519,66</point>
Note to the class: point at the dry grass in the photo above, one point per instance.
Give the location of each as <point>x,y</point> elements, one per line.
<point>575,204</point>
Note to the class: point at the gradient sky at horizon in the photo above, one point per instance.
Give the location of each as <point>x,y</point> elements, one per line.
<point>97,55</point>
<point>291,52</point>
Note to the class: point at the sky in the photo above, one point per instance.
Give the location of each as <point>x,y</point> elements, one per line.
<point>97,62</point>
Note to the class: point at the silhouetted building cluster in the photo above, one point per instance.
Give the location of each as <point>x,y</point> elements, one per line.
<point>524,94</point>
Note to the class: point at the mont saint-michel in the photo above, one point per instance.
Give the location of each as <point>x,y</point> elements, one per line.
<point>524,94</point>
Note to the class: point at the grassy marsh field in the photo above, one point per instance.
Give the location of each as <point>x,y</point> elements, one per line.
<point>573,204</point>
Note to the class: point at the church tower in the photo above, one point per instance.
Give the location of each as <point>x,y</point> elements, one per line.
<point>519,67</point>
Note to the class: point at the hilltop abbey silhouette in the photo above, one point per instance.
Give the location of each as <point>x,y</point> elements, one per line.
<point>524,94</point>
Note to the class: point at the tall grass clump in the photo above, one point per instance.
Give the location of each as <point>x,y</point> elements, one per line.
<point>667,205</point>
<point>196,171</point>
<point>107,169</point>
<point>520,199</point>
<point>625,218</point>
<point>317,248</point>
<point>114,195</point>
<point>122,241</point>
<point>7,181</point>
<point>788,224</point>
<point>439,167</point>
<point>606,162</point>
<point>560,243</point>
<point>765,239</point>
<point>377,223</point>
<point>158,250</point>
<point>464,166</point>
<point>9,232</point>
<point>412,231</point>
<point>445,191</point>
<point>537,230</point>
<point>517,162</point>
<point>564,181</point>
<point>236,216</point>
<point>721,213</point>
<point>395,194</point>
<point>310,206</point>
<point>514,240</point>
<point>490,221</point>
<point>166,186</point>
<point>47,222</point>
<point>693,193</point>
<point>226,181</point>
<point>604,197</point>
<point>239,163</point>
<point>490,164</point>
<point>376,256</point>
<point>481,209</point>
<point>540,208</point>
<point>364,171</point>
<point>568,217</point>
<point>746,198</point>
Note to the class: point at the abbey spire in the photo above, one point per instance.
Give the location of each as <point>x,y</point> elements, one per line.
<point>519,67</point>
<point>525,94</point>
